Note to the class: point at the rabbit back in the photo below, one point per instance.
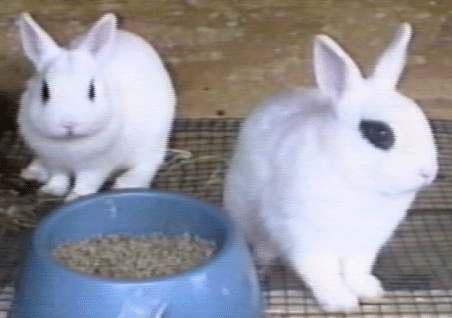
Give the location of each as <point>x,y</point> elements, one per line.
<point>145,92</point>
<point>251,168</point>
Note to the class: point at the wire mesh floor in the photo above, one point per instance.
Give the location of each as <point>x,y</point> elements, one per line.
<point>415,266</point>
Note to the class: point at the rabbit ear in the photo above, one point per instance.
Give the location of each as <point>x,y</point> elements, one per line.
<point>335,71</point>
<point>100,39</point>
<point>391,64</point>
<point>38,46</point>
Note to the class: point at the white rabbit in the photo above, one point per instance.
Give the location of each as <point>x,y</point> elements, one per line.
<point>323,176</point>
<point>105,104</point>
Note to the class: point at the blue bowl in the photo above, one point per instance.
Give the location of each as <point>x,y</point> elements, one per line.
<point>225,286</point>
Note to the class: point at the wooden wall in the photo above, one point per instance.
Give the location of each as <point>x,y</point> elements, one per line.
<point>227,55</point>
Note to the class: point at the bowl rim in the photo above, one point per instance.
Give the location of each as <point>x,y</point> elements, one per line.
<point>230,236</point>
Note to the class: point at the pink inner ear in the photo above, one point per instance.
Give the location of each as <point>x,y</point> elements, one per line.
<point>38,46</point>
<point>30,44</point>
<point>101,39</point>
<point>330,72</point>
<point>335,71</point>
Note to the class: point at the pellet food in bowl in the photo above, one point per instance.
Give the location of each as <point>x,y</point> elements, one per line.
<point>128,256</point>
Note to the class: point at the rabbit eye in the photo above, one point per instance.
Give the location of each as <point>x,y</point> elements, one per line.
<point>377,133</point>
<point>45,94</point>
<point>91,91</point>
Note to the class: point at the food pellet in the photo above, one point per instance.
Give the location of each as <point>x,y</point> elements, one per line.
<point>128,256</point>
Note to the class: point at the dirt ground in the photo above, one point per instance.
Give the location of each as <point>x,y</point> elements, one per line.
<point>227,55</point>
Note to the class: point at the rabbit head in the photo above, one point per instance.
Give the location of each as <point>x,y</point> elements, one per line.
<point>67,97</point>
<point>376,138</point>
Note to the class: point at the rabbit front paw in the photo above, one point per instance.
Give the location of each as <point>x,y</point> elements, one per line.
<point>139,176</point>
<point>357,275</point>
<point>322,271</point>
<point>35,172</point>
<point>336,299</point>
<point>365,286</point>
<point>58,185</point>
<point>87,182</point>
<point>72,196</point>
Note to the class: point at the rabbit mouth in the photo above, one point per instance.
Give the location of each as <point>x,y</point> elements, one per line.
<point>421,184</point>
<point>73,132</point>
<point>71,135</point>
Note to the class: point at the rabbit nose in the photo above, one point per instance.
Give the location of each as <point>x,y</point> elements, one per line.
<point>69,127</point>
<point>428,173</point>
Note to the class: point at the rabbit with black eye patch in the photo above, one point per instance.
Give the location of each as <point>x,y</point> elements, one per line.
<point>105,104</point>
<point>322,176</point>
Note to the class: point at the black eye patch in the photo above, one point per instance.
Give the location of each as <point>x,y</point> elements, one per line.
<point>377,133</point>
<point>45,93</point>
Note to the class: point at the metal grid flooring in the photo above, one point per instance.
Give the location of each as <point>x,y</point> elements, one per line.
<point>415,266</point>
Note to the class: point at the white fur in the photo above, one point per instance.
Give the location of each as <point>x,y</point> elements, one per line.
<point>306,185</point>
<point>127,124</point>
